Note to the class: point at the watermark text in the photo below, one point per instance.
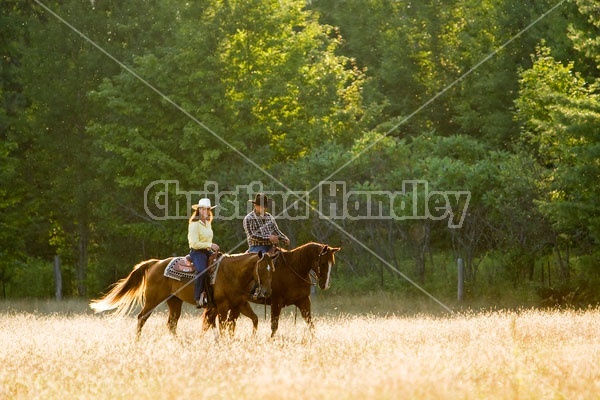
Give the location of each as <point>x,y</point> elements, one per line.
<point>164,199</point>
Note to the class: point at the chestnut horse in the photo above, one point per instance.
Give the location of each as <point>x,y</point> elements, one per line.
<point>147,286</point>
<point>292,282</point>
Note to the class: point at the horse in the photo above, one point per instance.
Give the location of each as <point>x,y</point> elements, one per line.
<point>292,282</point>
<point>147,286</point>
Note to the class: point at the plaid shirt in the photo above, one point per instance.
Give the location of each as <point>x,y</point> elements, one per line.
<point>258,228</point>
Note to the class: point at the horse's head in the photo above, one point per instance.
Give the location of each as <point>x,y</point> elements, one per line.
<point>323,265</point>
<point>263,273</point>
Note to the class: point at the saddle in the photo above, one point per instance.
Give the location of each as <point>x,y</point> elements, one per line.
<point>182,268</point>
<point>183,264</point>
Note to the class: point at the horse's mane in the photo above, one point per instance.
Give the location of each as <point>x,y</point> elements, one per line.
<point>302,255</point>
<point>237,254</point>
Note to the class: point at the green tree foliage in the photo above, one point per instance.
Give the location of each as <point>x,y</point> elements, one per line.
<point>261,88</point>
<point>559,109</point>
<point>20,201</point>
<point>460,53</point>
<point>59,157</point>
<point>561,117</point>
<point>583,35</point>
<point>374,94</point>
<point>490,193</point>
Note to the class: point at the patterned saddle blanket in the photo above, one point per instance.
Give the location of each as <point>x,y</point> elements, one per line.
<point>182,268</point>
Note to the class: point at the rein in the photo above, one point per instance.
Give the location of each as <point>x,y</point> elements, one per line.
<point>256,274</point>
<point>311,272</point>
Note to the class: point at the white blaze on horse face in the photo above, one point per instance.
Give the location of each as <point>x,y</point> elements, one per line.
<point>328,281</point>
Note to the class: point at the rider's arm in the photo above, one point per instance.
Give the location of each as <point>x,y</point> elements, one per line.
<point>277,232</point>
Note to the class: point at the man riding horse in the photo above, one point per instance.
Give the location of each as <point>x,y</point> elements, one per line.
<point>262,232</point>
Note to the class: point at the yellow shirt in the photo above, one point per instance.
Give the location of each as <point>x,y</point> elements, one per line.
<point>200,235</point>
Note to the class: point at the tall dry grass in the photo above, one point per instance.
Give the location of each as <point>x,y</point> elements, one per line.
<point>494,355</point>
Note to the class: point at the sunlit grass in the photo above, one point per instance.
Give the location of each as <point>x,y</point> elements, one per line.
<point>493,355</point>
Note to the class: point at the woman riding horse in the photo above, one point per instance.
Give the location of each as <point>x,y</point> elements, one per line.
<point>148,286</point>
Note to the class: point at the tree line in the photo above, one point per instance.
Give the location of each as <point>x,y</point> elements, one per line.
<point>414,102</point>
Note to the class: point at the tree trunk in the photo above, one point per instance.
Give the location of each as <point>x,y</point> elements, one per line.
<point>82,261</point>
<point>420,236</point>
<point>531,264</point>
<point>57,278</point>
<point>563,262</point>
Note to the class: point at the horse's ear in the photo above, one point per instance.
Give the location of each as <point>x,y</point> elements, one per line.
<point>260,254</point>
<point>327,249</point>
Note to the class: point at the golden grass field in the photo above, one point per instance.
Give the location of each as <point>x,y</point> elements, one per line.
<point>523,354</point>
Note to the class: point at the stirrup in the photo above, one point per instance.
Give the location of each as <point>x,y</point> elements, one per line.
<point>202,301</point>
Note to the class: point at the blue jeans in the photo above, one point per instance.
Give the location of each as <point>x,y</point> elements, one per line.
<point>264,248</point>
<point>200,260</point>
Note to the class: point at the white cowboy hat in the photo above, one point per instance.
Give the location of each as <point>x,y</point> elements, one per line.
<point>203,203</point>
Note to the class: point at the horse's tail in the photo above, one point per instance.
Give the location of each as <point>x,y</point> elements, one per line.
<point>127,293</point>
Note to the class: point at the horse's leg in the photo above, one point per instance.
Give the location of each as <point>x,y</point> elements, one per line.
<point>304,306</point>
<point>223,313</point>
<point>209,317</point>
<point>232,317</point>
<point>223,321</point>
<point>246,310</point>
<point>143,316</point>
<point>227,321</point>
<point>174,313</point>
<point>152,301</point>
<point>275,312</point>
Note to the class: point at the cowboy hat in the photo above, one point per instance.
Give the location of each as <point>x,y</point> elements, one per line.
<point>203,203</point>
<point>261,199</point>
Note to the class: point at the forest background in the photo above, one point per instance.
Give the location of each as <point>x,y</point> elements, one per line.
<point>499,98</point>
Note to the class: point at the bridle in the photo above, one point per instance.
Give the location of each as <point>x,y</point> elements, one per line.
<point>313,276</point>
<point>323,252</point>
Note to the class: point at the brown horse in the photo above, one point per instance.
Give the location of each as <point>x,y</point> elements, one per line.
<point>147,286</point>
<point>292,282</point>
